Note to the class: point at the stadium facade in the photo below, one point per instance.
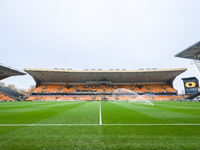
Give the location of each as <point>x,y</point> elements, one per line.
<point>61,84</point>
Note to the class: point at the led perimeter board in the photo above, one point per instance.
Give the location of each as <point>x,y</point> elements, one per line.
<point>191,85</point>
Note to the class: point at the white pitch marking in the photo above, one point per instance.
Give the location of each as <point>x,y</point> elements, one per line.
<point>152,124</point>
<point>6,125</point>
<point>47,125</point>
<point>100,122</point>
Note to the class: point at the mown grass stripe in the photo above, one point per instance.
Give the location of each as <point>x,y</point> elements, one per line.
<point>5,125</point>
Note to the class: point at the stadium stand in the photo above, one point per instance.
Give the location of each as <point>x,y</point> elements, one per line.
<point>5,98</point>
<point>12,93</point>
<point>121,85</point>
<point>7,94</point>
<point>7,71</point>
<point>141,88</point>
<point>192,53</point>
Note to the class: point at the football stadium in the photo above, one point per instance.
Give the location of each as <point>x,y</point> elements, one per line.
<point>99,75</point>
<point>100,109</point>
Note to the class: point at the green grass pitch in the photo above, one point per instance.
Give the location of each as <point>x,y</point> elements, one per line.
<point>99,125</point>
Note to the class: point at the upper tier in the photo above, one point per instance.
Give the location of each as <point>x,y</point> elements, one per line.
<point>138,88</point>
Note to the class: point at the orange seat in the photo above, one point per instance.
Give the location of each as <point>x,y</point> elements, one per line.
<point>148,97</point>
<point>93,87</point>
<point>161,98</point>
<point>52,88</point>
<point>83,87</point>
<point>68,88</point>
<point>4,97</point>
<point>168,88</point>
<point>101,88</point>
<point>40,88</point>
<point>155,88</point>
<point>46,98</point>
<point>84,98</point>
<point>140,88</point>
<point>31,98</point>
<point>128,87</point>
<point>62,98</point>
<point>175,97</point>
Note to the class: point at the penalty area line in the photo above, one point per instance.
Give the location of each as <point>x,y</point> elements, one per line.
<point>7,125</point>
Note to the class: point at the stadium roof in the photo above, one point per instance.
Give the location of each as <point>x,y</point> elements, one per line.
<point>192,52</point>
<point>7,71</point>
<point>103,76</point>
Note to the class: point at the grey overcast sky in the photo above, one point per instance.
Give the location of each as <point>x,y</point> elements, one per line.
<point>97,34</point>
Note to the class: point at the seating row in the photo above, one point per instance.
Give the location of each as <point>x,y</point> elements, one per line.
<point>5,98</point>
<point>96,98</point>
<point>155,88</point>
